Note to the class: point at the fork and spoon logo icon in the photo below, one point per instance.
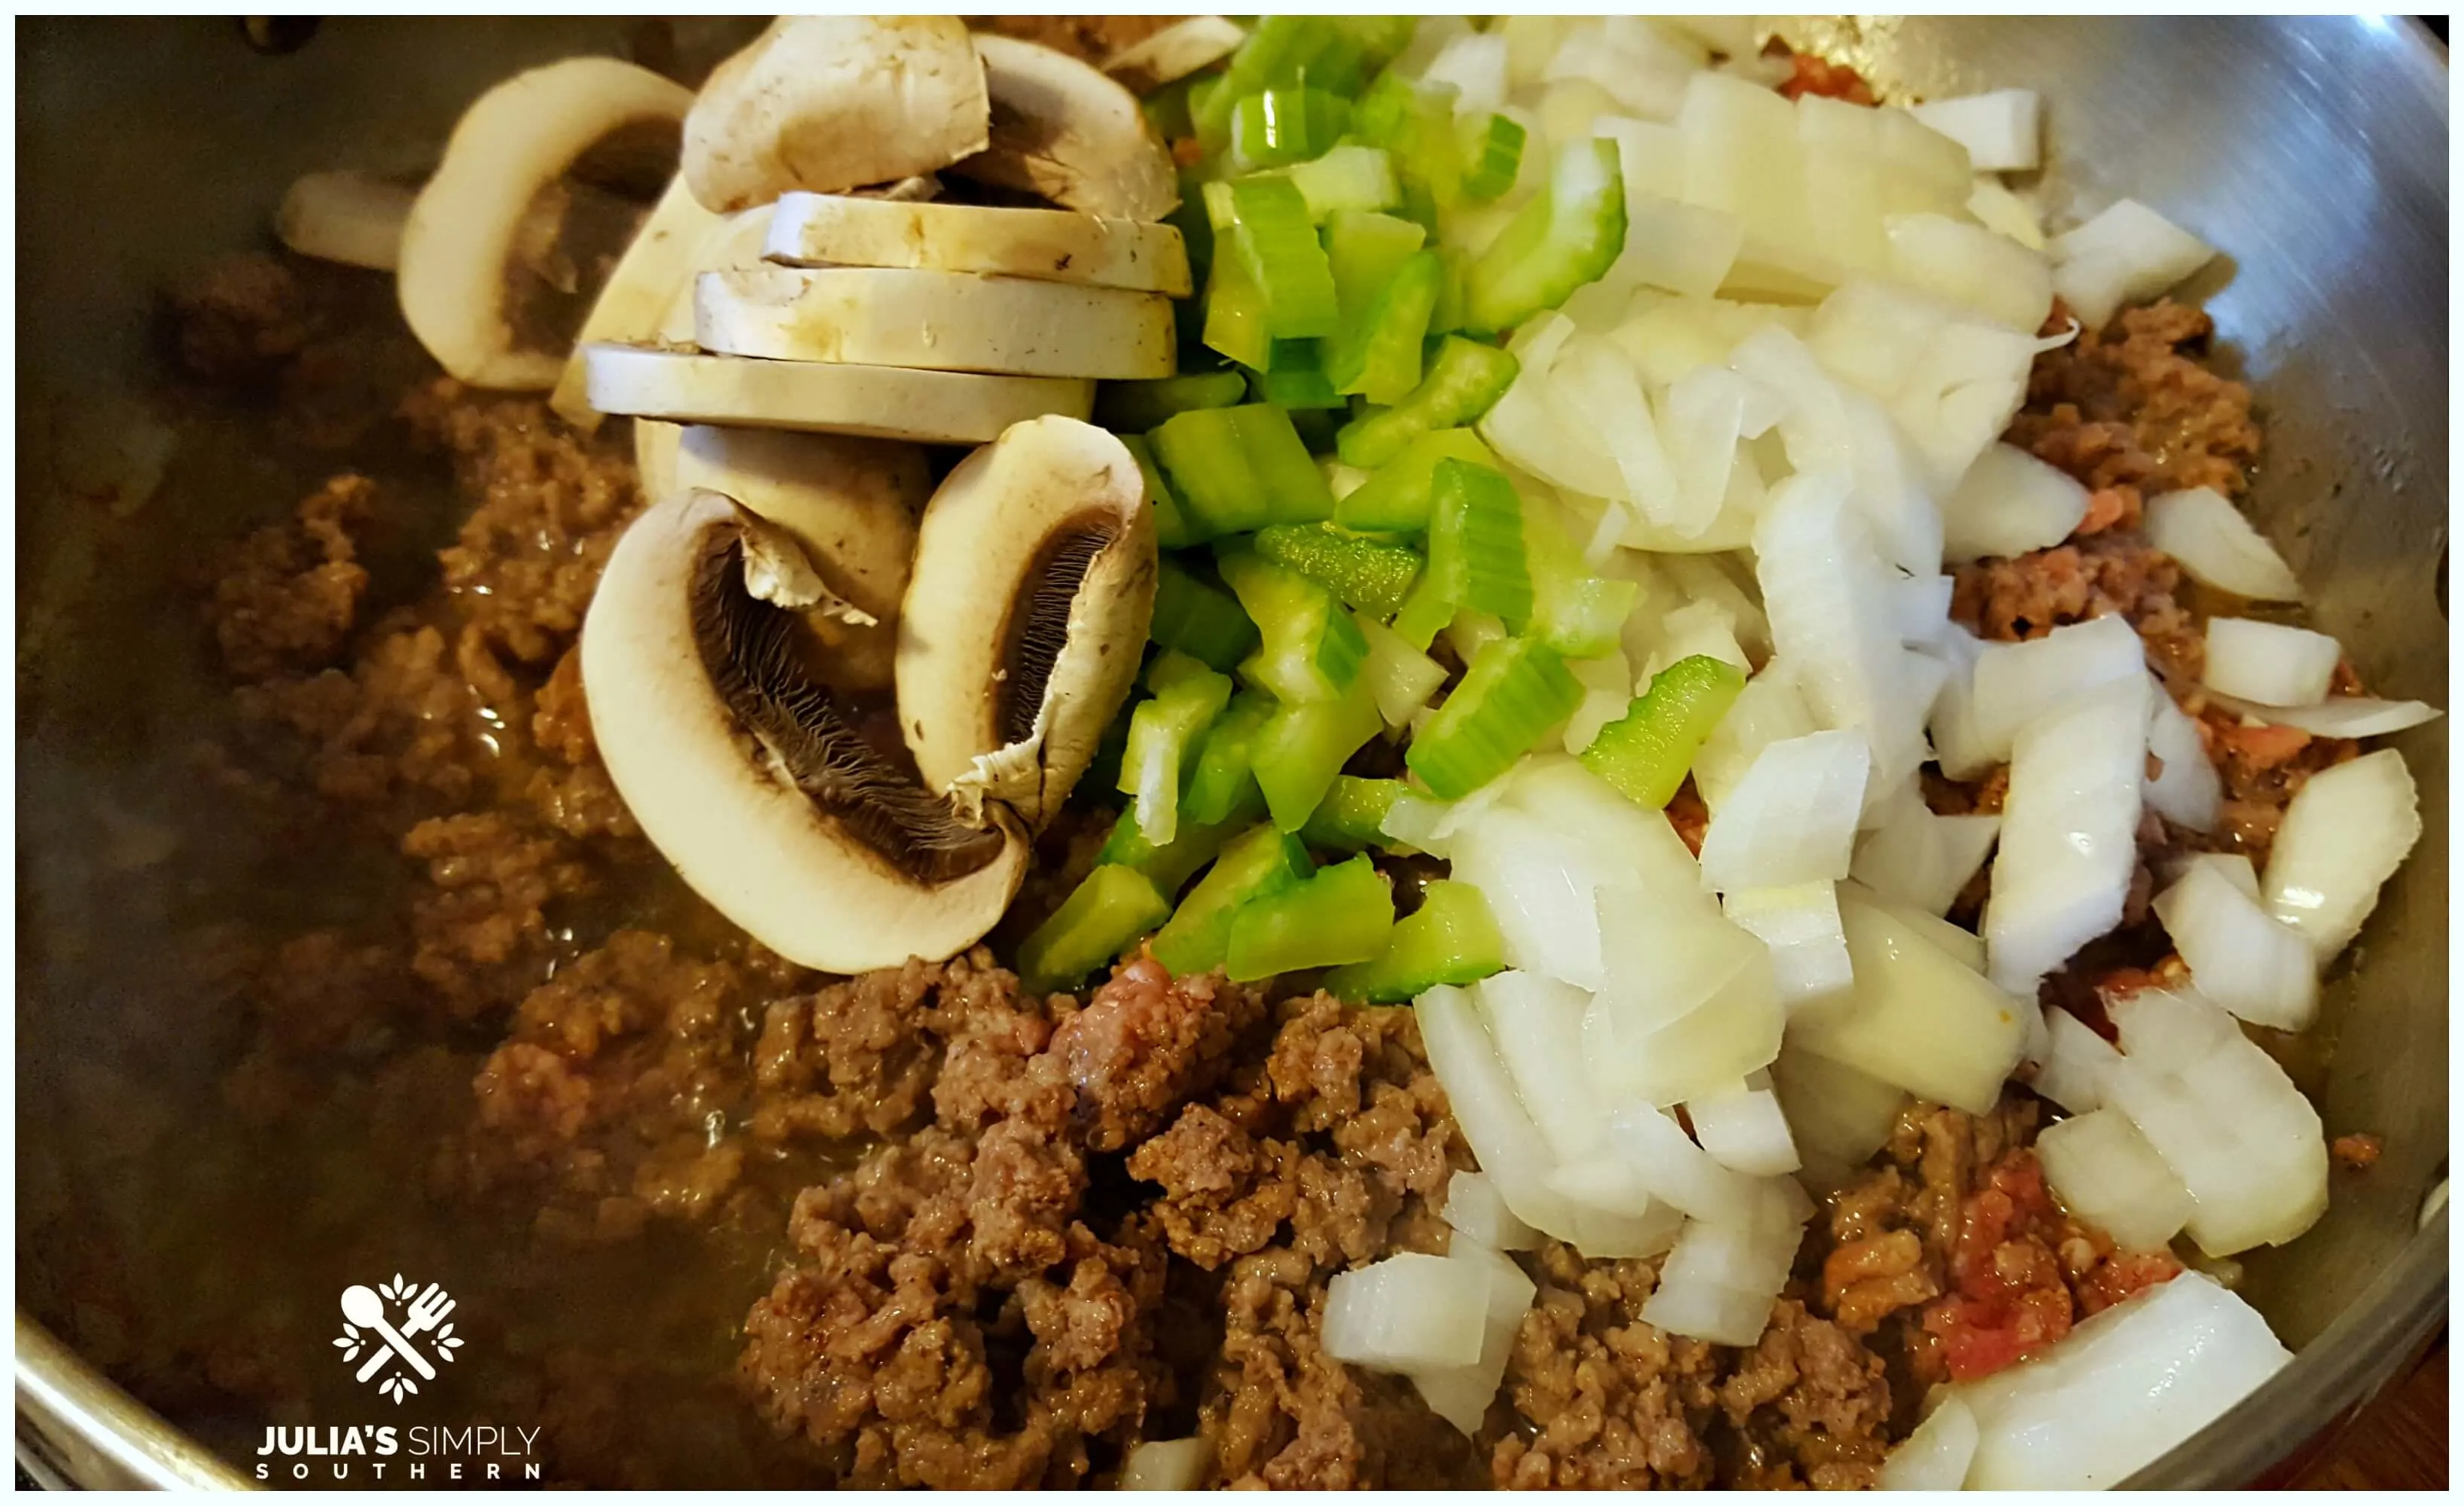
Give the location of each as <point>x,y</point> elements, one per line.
<point>367,1329</point>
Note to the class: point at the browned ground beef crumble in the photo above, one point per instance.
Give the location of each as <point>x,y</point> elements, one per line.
<point>989,1239</point>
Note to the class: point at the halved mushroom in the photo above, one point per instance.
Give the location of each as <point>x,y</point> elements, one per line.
<point>755,782</point>
<point>1062,129</point>
<point>544,181</point>
<point>350,217</point>
<point>1178,51</point>
<point>850,504</point>
<point>1034,581</point>
<point>832,103</point>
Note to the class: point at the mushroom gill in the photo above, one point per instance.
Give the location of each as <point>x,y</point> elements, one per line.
<point>754,780</point>
<point>1027,607</point>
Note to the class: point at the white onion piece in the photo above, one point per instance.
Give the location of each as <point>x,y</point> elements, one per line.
<point>1999,210</point>
<point>1478,1212</point>
<point>2335,717</point>
<point>1412,820</point>
<point>1702,418</point>
<point>1720,1281</point>
<point>1702,628</point>
<point>2211,539</point>
<point>2346,831</point>
<point>1918,1018</point>
<point>2236,867</point>
<point>1596,388</point>
<point>1792,818</point>
<point>1950,378</point>
<point>2008,503</point>
<point>1487,1110</point>
<point>2018,682</point>
<point>1684,248</point>
<point>1475,63</point>
<point>2122,1389</point>
<point>1539,886</point>
<point>1609,1236</point>
<point>1669,337</point>
<point>1664,956</point>
<point>2253,965</point>
<point>1608,693</point>
<point>1537,1024</point>
<point>2269,662</point>
<point>1644,80</point>
<point>1973,266</point>
<point>1742,155</point>
<point>1461,1396</point>
<point>2070,824</point>
<point>1407,1312</point>
<point>2187,789</point>
<point>1825,589</point>
<point>1959,746</point>
<point>1730,35</point>
<point>1962,945</point>
<point>1713,1016</point>
<point>1837,1113</point>
<point>1935,1457</point>
<point>1531,426</point>
<point>1673,1168</point>
<point>1625,839</point>
<point>1826,426</point>
<point>2076,1061</point>
<point>1769,710</point>
<point>1430,36</point>
<point>1605,1183</point>
<point>2106,1174</point>
<point>1921,859</point>
<point>1530,42</point>
<point>1800,927</point>
<point>2224,1116</point>
<point>1843,181</point>
<point>2126,254</point>
<point>1926,172</point>
<point>1920,607</point>
<point>2003,130</point>
<point>1402,678</point>
<point>1178,1464</point>
<point>1744,1129</point>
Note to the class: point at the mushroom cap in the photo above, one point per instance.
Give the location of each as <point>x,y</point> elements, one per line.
<point>1063,130</point>
<point>850,504</point>
<point>752,781</point>
<point>829,230</point>
<point>1178,51</point>
<point>1033,586</point>
<point>482,269</point>
<point>934,322</point>
<point>885,402</point>
<point>831,103</point>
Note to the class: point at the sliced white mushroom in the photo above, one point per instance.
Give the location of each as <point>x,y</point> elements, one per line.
<point>751,778</point>
<point>544,183</point>
<point>831,103</point>
<point>1178,51</point>
<point>850,505</point>
<point>1062,129</point>
<point>885,402</point>
<point>349,217</point>
<point>934,321</point>
<point>735,240</point>
<point>1034,581</point>
<point>826,230</point>
<point>634,307</point>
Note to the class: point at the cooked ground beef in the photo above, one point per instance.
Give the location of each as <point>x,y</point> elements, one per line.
<point>935,1232</point>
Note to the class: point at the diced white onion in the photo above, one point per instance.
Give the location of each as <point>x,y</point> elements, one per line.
<point>1412,820</point>
<point>1400,676</point>
<point>1595,386</point>
<point>2187,789</point>
<point>1702,628</point>
<point>1973,266</point>
<point>2269,662</point>
<point>1475,63</point>
<point>1744,1129</point>
<point>1407,1312</point>
<point>1950,378</point>
<point>1478,1212</point>
<point>1672,1168</point>
<point>1935,1457</point>
<point>1767,710</point>
<point>2121,1390</point>
<point>2126,254</point>
<point>1529,40</point>
<point>1837,1113</point>
<point>1959,744</point>
<point>1539,885</point>
<point>1922,859</point>
<point>2346,833</point>
<point>1800,927</point>
<point>1997,208</point>
<point>1643,79</point>
<point>1957,942</point>
<point>1918,1018</point>
<point>1725,581</point>
<point>2076,1061</point>
<point>2210,538</point>
<point>1720,1281</point>
<point>1431,36</point>
<point>1690,1001</point>
<point>1827,426</point>
<point>2070,825</point>
<point>2008,503</point>
<point>1578,806</point>
<point>1488,1111</point>
<point>1179,1465</point>
<point>2243,958</point>
<point>2106,1174</point>
<point>1461,1396</point>
<point>1608,693</point>
<point>1537,1024</point>
<point>2224,1116</point>
<point>2335,717</point>
<point>2236,867</point>
<point>1792,818</point>
<point>2003,130</point>
<point>2018,682</point>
